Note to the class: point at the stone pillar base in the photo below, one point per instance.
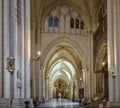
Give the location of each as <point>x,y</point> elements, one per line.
<point>17,103</point>
<point>4,102</point>
<point>46,100</point>
<point>112,105</point>
<point>14,103</point>
<point>41,99</point>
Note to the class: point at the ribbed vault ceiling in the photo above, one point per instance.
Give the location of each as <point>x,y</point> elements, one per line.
<point>62,62</point>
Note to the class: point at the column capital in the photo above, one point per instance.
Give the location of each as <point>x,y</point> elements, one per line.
<point>46,77</point>
<point>84,70</point>
<point>39,25</point>
<point>33,24</point>
<point>1,50</point>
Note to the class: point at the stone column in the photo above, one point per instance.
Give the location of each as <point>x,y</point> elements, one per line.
<point>6,49</point>
<point>41,84</point>
<point>14,43</point>
<point>85,82</point>
<point>38,37</point>
<point>22,51</point>
<point>37,76</point>
<point>94,83</point>
<point>118,53</point>
<point>27,48</point>
<point>92,78</point>
<point>20,43</point>
<point>49,90</point>
<point>69,92</point>
<point>110,46</point>
<point>113,52</point>
<point>62,28</point>
<point>33,61</point>
<point>1,49</point>
<point>116,10</point>
<point>38,63</point>
<point>67,24</point>
<point>46,88</point>
<point>44,85</point>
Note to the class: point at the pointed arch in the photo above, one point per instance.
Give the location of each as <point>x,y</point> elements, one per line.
<point>68,40</point>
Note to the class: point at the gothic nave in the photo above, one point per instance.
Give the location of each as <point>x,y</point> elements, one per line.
<point>59,49</point>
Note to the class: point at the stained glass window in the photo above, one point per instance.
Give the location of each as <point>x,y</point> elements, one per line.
<point>51,22</point>
<point>56,23</point>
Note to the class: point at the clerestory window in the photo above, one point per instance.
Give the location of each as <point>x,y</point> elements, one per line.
<point>56,23</point>
<point>82,25</point>
<point>72,23</point>
<point>77,23</point>
<point>51,22</point>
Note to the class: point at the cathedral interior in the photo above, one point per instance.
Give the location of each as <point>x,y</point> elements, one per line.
<point>66,49</point>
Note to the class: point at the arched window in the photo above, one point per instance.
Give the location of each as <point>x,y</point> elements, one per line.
<point>56,23</point>
<point>82,25</point>
<point>77,23</point>
<point>51,22</point>
<point>72,23</point>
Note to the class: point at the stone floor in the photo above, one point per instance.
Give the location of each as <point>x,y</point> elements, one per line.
<point>60,103</point>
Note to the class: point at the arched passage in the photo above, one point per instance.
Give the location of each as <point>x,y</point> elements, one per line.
<point>62,47</point>
<point>101,69</point>
<point>62,64</point>
<point>62,40</point>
